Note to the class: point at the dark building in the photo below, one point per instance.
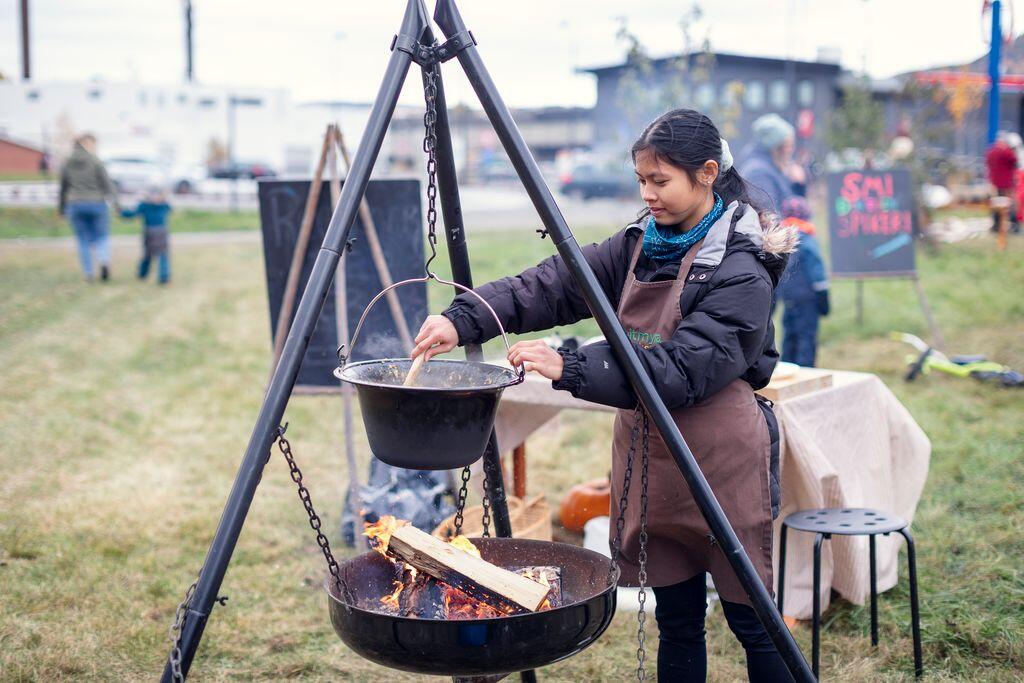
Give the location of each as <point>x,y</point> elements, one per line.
<point>732,89</point>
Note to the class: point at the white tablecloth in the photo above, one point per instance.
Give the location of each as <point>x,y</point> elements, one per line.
<point>852,445</point>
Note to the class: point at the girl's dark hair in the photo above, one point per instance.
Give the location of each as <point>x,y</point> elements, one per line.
<point>686,139</point>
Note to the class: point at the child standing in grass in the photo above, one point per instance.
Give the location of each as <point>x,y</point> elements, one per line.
<point>803,289</point>
<point>154,211</point>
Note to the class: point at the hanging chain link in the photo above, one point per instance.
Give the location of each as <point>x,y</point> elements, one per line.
<point>461,505</point>
<point>314,519</point>
<point>175,632</point>
<point>641,427</point>
<point>485,503</point>
<point>641,614</point>
<point>430,147</point>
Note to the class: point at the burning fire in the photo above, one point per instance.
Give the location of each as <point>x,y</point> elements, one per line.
<point>380,532</point>
<point>457,605</point>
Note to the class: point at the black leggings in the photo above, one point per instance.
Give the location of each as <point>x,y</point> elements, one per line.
<point>682,655</point>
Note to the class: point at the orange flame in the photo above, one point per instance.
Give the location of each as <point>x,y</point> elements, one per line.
<point>392,599</point>
<point>380,533</point>
<point>464,544</point>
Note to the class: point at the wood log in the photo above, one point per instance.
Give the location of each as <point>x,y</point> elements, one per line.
<point>414,370</point>
<point>476,577</point>
<point>548,574</point>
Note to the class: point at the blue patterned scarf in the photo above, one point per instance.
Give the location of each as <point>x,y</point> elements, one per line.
<point>673,246</point>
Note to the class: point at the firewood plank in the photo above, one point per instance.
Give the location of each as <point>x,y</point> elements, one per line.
<point>472,575</point>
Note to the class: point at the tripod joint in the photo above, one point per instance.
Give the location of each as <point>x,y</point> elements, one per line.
<point>428,55</point>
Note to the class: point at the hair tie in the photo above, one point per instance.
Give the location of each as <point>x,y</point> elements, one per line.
<point>726,156</point>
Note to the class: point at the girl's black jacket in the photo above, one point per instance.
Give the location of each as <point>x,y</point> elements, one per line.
<point>725,333</point>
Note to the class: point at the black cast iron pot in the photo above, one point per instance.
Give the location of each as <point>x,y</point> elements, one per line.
<point>480,647</point>
<point>445,420</point>
<point>442,423</point>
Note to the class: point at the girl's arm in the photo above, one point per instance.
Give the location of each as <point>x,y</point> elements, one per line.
<point>540,297</point>
<point>713,345</point>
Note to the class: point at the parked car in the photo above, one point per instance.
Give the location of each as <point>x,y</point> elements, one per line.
<point>587,181</point>
<point>134,174</point>
<point>188,178</point>
<point>247,170</point>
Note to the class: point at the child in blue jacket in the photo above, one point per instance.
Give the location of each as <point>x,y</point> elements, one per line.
<point>803,289</point>
<point>154,210</point>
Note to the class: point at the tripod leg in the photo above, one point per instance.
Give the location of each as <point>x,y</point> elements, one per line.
<point>279,391</point>
<point>447,16</point>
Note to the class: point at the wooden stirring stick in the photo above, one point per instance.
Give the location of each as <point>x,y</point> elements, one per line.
<point>414,370</point>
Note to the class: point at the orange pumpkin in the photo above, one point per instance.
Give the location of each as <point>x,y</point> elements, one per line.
<point>585,501</point>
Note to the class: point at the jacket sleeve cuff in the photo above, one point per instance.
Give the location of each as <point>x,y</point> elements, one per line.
<point>464,325</point>
<point>572,372</point>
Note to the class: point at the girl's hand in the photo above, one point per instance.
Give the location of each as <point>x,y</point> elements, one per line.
<point>537,357</point>
<point>436,336</point>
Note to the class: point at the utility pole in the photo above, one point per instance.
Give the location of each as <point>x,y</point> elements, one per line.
<point>993,70</point>
<point>188,41</point>
<point>26,53</point>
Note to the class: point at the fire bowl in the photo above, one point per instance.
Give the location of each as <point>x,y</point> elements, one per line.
<point>479,647</point>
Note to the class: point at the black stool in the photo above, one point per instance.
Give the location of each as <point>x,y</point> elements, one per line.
<point>851,522</point>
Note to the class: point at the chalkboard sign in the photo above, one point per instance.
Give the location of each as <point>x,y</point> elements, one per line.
<point>871,223</point>
<point>395,206</point>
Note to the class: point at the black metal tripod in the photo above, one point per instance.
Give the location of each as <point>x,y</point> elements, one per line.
<point>414,43</point>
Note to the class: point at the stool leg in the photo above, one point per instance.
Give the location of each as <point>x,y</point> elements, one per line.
<point>816,609</point>
<point>874,592</point>
<point>915,615</point>
<point>782,566</point>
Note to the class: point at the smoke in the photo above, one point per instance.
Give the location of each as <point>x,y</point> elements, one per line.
<point>382,345</point>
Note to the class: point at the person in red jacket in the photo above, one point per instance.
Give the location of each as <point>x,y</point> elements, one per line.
<point>1001,161</point>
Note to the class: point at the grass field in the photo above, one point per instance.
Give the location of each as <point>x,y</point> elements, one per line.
<point>126,408</point>
<point>28,222</point>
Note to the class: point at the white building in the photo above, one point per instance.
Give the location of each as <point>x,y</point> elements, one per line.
<point>176,124</point>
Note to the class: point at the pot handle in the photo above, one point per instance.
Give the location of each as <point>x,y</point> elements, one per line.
<point>343,357</point>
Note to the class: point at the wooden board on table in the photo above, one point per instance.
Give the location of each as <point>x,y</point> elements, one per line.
<point>804,381</point>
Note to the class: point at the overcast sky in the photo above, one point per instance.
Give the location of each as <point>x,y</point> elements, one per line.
<point>336,49</point>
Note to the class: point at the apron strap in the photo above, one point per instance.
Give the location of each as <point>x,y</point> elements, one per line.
<point>687,263</point>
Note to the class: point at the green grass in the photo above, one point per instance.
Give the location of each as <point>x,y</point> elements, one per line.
<point>127,407</point>
<point>21,222</point>
<point>25,176</point>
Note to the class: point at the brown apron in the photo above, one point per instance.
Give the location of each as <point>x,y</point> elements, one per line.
<point>729,438</point>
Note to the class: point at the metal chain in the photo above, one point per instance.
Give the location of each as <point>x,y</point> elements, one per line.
<point>620,521</point>
<point>430,147</point>
<point>175,632</point>
<point>314,519</point>
<point>641,615</point>
<point>485,502</point>
<point>461,505</point>
<point>640,425</point>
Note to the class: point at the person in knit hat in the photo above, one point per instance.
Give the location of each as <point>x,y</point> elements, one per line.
<point>803,288</point>
<point>769,164</point>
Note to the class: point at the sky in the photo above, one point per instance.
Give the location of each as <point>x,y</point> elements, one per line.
<point>337,49</point>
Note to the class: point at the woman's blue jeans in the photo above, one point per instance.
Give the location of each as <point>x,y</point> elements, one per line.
<point>91,223</point>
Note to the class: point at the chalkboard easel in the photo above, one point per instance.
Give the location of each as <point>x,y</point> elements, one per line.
<point>395,206</point>
<point>872,226</point>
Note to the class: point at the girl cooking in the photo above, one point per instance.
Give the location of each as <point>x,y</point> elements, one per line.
<point>692,282</point>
